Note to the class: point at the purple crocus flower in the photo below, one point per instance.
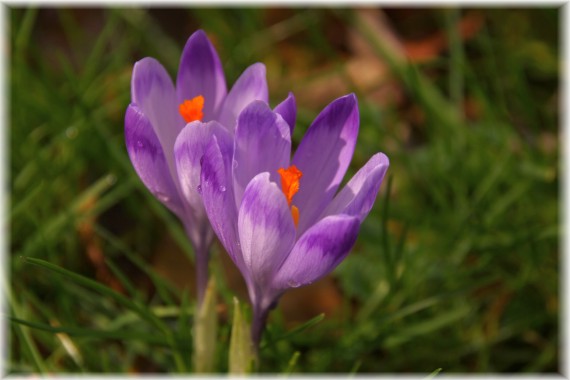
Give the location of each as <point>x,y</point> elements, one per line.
<point>282,220</point>
<point>158,113</point>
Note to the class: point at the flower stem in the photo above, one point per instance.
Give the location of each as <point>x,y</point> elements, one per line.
<point>201,242</point>
<point>205,331</point>
<point>202,258</point>
<point>260,314</point>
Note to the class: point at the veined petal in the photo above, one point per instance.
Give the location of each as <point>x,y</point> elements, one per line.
<point>266,229</point>
<point>250,86</point>
<point>153,92</point>
<point>218,197</point>
<point>262,144</point>
<point>318,251</point>
<point>148,159</point>
<point>288,110</point>
<point>324,155</point>
<point>188,152</point>
<point>357,197</point>
<point>200,73</point>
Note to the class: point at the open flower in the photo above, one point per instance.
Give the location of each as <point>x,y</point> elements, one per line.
<point>158,113</point>
<point>280,219</point>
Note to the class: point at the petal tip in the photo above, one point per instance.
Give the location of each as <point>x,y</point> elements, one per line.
<point>148,74</point>
<point>257,105</point>
<point>382,159</point>
<point>264,176</point>
<point>143,63</point>
<point>291,98</point>
<point>196,43</point>
<point>350,98</point>
<point>260,66</point>
<point>198,35</point>
<point>347,104</point>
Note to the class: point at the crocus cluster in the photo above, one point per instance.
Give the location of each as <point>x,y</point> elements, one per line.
<point>222,162</point>
<point>159,112</point>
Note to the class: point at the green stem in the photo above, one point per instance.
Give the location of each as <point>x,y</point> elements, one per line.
<point>260,315</point>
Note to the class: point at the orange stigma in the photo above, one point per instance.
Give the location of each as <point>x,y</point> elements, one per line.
<point>290,185</point>
<point>191,110</point>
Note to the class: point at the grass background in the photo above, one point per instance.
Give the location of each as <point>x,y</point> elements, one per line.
<point>457,266</point>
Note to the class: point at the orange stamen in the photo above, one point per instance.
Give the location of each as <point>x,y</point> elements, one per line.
<point>290,185</point>
<point>295,214</point>
<point>191,110</point>
<point>290,181</point>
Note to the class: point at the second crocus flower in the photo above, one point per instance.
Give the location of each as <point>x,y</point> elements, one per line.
<point>159,112</point>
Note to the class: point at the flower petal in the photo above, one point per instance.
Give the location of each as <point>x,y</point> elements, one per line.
<point>359,194</point>
<point>148,159</point>
<point>317,252</point>
<point>262,144</point>
<point>153,92</point>
<point>188,152</point>
<point>218,197</point>
<point>250,86</point>
<point>200,73</point>
<point>288,110</point>
<point>266,229</point>
<point>323,156</point>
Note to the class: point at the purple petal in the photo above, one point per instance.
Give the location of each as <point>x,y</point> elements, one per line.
<point>200,73</point>
<point>217,194</point>
<point>323,157</point>
<point>148,159</point>
<point>266,229</point>
<point>153,92</point>
<point>288,110</point>
<point>357,197</point>
<point>318,251</point>
<point>250,86</point>
<point>188,152</point>
<point>262,144</point>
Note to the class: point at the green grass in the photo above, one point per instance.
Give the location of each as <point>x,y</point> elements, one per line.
<point>456,268</point>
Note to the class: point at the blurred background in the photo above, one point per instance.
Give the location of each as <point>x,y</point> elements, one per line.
<point>457,266</point>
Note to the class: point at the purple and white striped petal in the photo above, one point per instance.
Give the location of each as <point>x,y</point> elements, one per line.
<point>147,157</point>
<point>217,193</point>
<point>317,252</point>
<point>200,73</point>
<point>288,110</point>
<point>266,229</point>
<point>262,144</point>
<point>323,156</point>
<point>188,152</point>
<point>359,194</point>
<point>153,92</point>
<point>250,86</point>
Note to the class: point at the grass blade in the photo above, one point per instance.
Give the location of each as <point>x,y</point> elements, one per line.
<point>310,323</point>
<point>144,313</point>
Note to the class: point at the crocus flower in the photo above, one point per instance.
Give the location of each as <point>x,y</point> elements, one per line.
<point>282,220</point>
<point>159,111</point>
